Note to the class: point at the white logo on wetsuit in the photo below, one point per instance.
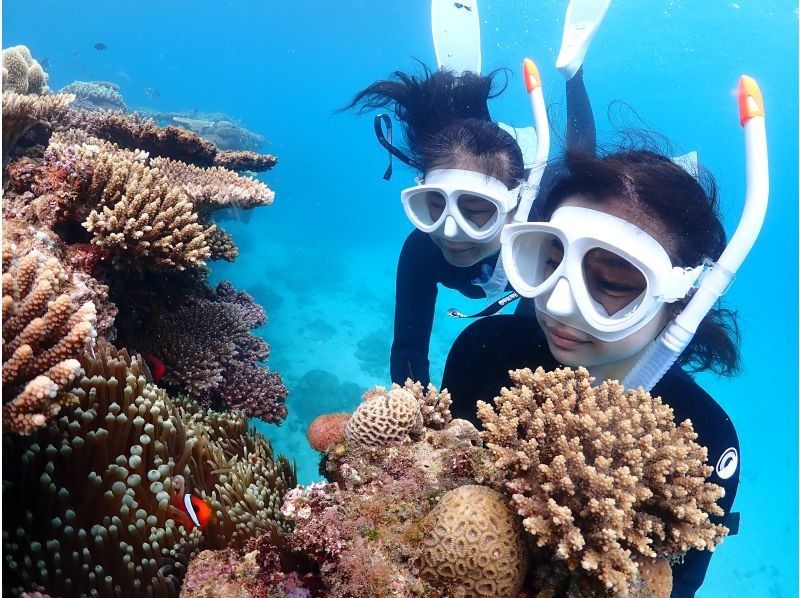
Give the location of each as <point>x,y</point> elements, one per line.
<point>727,464</point>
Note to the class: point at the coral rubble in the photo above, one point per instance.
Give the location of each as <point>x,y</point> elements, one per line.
<point>599,475</point>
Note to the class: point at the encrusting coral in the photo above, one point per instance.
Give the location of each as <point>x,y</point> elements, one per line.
<point>45,329</point>
<point>473,544</point>
<point>600,475</point>
<point>94,491</point>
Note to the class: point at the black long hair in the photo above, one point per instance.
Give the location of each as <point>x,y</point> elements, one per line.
<point>446,121</point>
<point>683,211</point>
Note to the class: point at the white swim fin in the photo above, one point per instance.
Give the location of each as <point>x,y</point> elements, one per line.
<point>456,30</point>
<point>527,141</point>
<point>581,23</point>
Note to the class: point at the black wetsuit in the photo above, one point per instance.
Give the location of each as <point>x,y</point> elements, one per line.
<point>477,367</point>
<point>422,267</point>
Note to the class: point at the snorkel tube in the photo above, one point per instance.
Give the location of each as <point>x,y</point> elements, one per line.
<point>666,349</point>
<point>533,85</point>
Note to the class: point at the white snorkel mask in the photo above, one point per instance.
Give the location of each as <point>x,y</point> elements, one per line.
<point>472,206</point>
<point>593,271</point>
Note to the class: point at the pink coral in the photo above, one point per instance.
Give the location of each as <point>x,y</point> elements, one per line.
<point>326,430</point>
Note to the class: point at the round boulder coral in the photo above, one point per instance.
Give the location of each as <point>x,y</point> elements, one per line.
<point>473,544</point>
<point>384,417</point>
<point>326,430</point>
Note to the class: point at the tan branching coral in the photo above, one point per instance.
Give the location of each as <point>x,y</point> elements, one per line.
<point>214,188</point>
<point>21,112</point>
<point>137,215</point>
<point>22,73</point>
<point>434,405</point>
<point>473,544</point>
<point>600,475</point>
<point>45,329</point>
<point>383,417</point>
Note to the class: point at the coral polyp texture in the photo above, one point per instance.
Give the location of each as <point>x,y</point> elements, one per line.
<point>90,498</point>
<point>45,329</point>
<point>22,73</point>
<point>473,544</point>
<point>599,475</point>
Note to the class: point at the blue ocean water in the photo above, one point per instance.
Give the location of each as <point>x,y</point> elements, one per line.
<point>322,258</point>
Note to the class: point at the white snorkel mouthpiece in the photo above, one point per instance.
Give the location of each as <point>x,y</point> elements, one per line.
<point>530,189</point>
<point>666,349</point>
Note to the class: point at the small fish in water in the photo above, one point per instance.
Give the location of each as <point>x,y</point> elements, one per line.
<point>194,511</point>
<point>100,46</point>
<point>459,5</point>
<point>125,76</point>
<point>151,92</point>
<point>157,367</point>
<point>45,63</point>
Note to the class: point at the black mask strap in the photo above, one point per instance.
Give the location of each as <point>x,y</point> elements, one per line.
<point>380,120</point>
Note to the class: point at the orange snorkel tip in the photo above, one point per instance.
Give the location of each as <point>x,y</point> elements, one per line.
<point>531,75</point>
<point>750,101</point>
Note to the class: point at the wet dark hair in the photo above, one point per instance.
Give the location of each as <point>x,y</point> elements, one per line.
<point>446,122</point>
<point>681,211</point>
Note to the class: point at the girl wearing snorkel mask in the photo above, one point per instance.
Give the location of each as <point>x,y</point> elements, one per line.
<point>469,190</point>
<point>622,269</point>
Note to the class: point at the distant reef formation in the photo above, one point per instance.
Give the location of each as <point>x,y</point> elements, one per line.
<point>128,380</point>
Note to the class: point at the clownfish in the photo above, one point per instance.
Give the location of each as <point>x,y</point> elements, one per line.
<point>157,367</point>
<point>197,512</point>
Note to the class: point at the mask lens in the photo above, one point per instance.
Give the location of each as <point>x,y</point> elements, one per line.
<point>616,286</point>
<point>477,211</point>
<point>537,255</point>
<point>427,206</point>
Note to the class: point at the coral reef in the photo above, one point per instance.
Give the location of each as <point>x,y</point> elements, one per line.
<point>22,73</point>
<point>96,95</point>
<point>46,327</point>
<point>473,544</point>
<point>21,112</point>
<point>327,429</point>
<point>94,490</point>
<point>599,475</point>
<point>383,417</point>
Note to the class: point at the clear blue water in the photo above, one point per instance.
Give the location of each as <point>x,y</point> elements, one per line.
<point>322,258</point>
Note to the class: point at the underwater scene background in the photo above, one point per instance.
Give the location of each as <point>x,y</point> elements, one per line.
<point>322,258</point>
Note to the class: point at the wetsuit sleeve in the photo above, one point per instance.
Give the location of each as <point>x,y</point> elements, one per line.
<point>415,302</point>
<point>581,132</point>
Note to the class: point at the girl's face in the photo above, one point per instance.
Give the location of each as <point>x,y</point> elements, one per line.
<point>616,287</point>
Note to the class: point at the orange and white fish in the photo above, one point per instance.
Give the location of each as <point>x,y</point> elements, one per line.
<point>197,513</point>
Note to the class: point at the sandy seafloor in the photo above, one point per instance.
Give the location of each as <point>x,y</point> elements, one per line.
<point>322,258</point>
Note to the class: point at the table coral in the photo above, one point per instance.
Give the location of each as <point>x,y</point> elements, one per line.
<point>600,475</point>
<point>45,329</point>
<point>473,544</point>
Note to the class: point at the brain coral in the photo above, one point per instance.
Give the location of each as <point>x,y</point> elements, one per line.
<point>383,417</point>
<point>473,544</point>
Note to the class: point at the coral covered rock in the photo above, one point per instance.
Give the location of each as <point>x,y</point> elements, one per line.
<point>600,475</point>
<point>46,327</point>
<point>473,544</point>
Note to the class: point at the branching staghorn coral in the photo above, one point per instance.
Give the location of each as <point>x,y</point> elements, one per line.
<point>21,112</point>
<point>600,475</point>
<point>89,498</point>
<point>46,327</point>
